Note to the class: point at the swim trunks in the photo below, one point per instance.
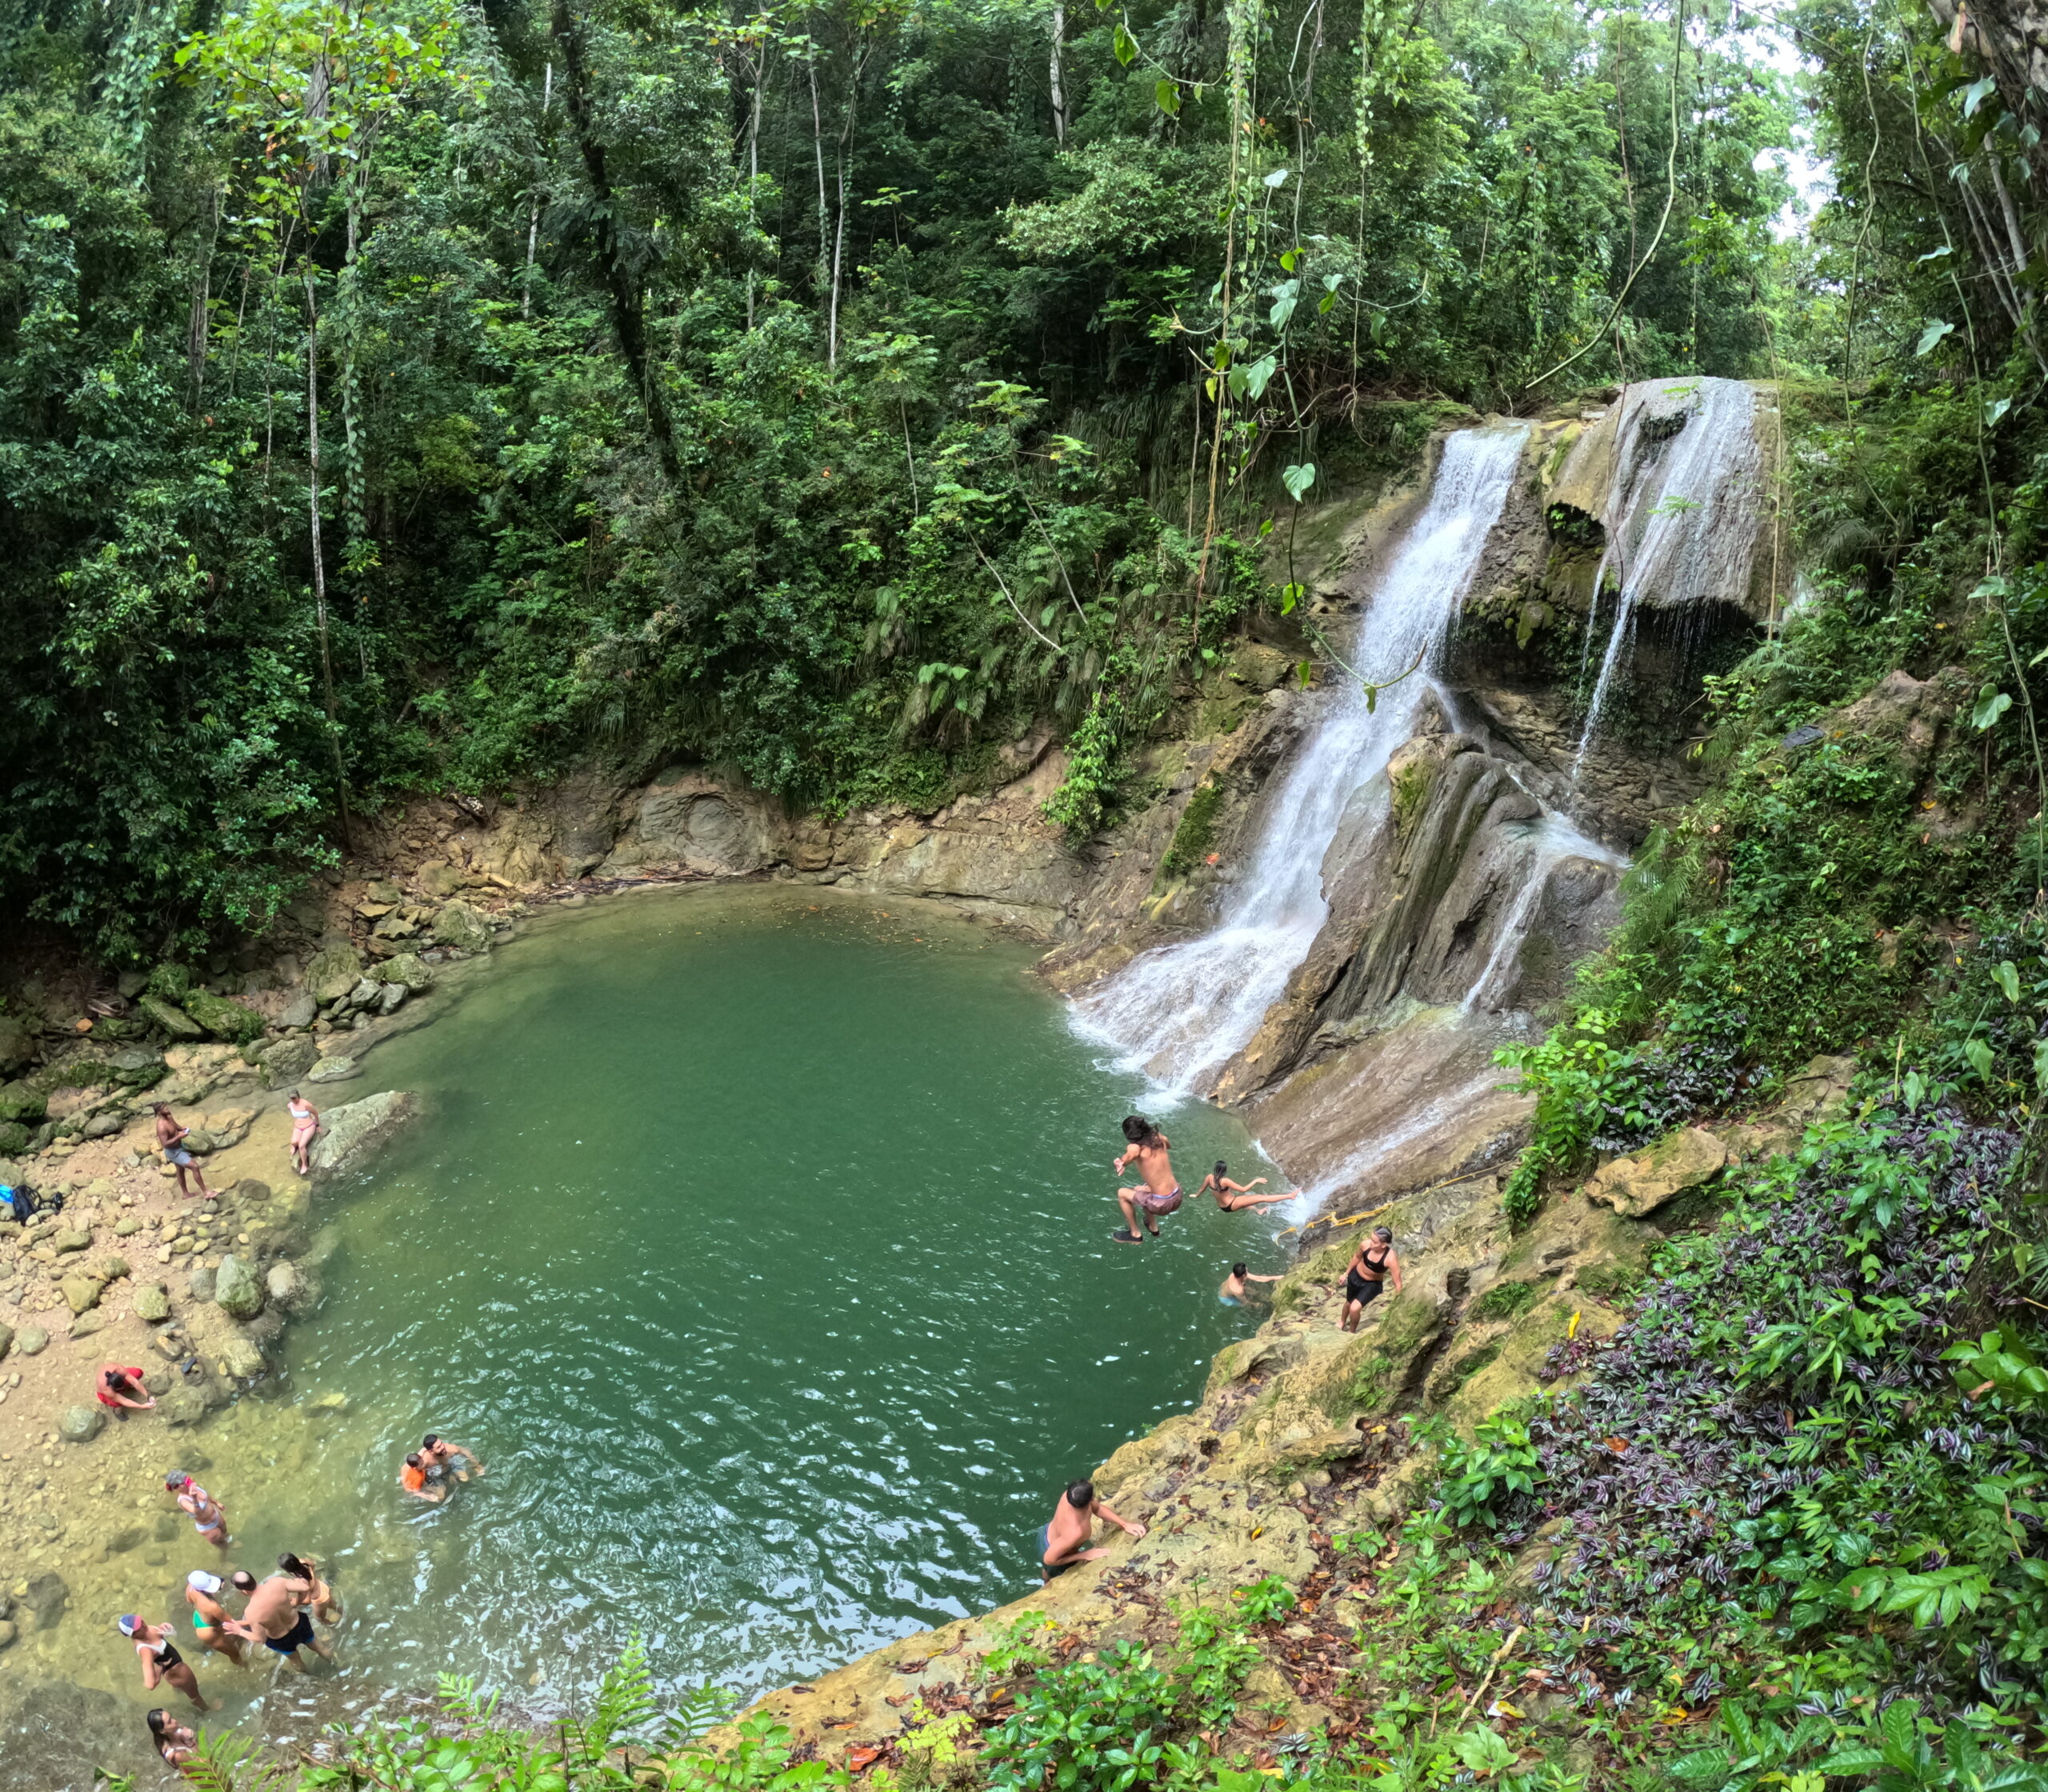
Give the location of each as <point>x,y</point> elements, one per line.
<point>1154,1203</point>
<point>179,1156</point>
<point>1053,1570</point>
<point>1356,1288</point>
<point>298,1637</point>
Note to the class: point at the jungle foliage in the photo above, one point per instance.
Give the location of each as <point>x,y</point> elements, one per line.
<point>396,394</point>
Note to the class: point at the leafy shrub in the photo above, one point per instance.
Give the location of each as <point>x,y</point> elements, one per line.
<point>1264,1601</point>
<point>1504,1300</point>
<point>1501,1462</point>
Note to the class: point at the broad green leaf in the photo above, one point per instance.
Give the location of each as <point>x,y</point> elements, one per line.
<point>2008,976</point>
<point>1979,1055</point>
<point>1166,96</point>
<point>1298,479</point>
<point>1124,46</point>
<point>1991,704</point>
<point>1931,336</point>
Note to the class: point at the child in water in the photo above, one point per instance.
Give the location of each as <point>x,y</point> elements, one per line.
<point>1230,1196</point>
<point>1234,1291</point>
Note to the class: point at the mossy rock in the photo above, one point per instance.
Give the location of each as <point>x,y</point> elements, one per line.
<point>14,1138</point>
<point>169,1017</point>
<point>1504,1300</point>
<point>224,1019</point>
<point>1196,833</point>
<point>171,982</point>
<point>18,1101</point>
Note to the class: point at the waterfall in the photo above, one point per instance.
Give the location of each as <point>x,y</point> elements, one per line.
<point>1680,513</point>
<point>1180,1012</point>
<point>1553,839</point>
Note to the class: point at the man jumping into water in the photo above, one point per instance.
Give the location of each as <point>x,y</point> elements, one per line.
<point>1159,1194</point>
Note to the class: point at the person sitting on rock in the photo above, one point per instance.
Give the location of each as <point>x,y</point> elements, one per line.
<point>209,1617</point>
<point>305,1124</point>
<point>1366,1274</point>
<point>1234,1291</point>
<point>162,1663</point>
<point>1230,1196</point>
<point>207,1518</point>
<point>122,1389</point>
<point>438,1456</point>
<point>1159,1194</point>
<point>1064,1542</point>
<point>414,1478</point>
<point>170,1136</point>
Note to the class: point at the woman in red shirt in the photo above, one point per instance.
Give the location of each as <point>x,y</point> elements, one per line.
<point>118,1388</point>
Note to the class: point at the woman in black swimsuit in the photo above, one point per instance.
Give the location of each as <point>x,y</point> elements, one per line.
<point>1367,1274</point>
<point>162,1663</point>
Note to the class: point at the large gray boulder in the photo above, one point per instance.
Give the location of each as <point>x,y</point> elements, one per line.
<point>170,1018</point>
<point>237,1291</point>
<point>223,1018</point>
<point>407,968</point>
<point>355,1125</point>
<point>339,1068</point>
<point>463,927</point>
<point>81,1424</point>
<point>288,1061</point>
<point>298,1012</point>
<point>290,1289</point>
<point>333,973</point>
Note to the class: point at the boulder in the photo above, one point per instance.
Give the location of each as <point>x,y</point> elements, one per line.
<point>463,927</point>
<point>239,1358</point>
<point>352,1126</point>
<point>80,1292</point>
<point>332,1070</point>
<point>406,968</point>
<point>15,1138</point>
<point>287,1062</point>
<point>152,1302</point>
<point>104,1124</point>
<point>8,1633</point>
<point>199,1284</point>
<point>6,1341</point>
<point>437,878</point>
<point>366,994</point>
<point>19,1102</point>
<point>172,982</point>
<point>1642,1183</point>
<point>18,1040</point>
<point>170,1018</point>
<point>333,973</point>
<point>81,1424</point>
<point>394,994</point>
<point>288,1287</point>
<point>111,1268</point>
<point>64,1241</point>
<point>84,1325</point>
<point>31,1340</point>
<point>237,1290</point>
<point>182,1405</point>
<point>223,1018</point>
<point>136,1067</point>
<point>298,1012</point>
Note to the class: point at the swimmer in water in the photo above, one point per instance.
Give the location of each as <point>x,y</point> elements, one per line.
<point>1230,1196</point>
<point>209,1617</point>
<point>204,1510</point>
<point>416,1480</point>
<point>305,1125</point>
<point>1159,1194</point>
<point>1234,1291</point>
<point>441,1459</point>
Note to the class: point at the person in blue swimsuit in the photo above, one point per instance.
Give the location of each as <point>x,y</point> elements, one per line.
<point>1234,1291</point>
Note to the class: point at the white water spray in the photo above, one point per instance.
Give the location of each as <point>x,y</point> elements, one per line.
<point>1554,839</point>
<point>1679,520</point>
<point>1180,1012</point>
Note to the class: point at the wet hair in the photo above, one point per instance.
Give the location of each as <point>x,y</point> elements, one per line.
<point>159,1723</point>
<point>1237,1269</point>
<point>160,1107</point>
<point>1080,1494</point>
<point>413,1460</point>
<point>1384,1234</point>
<point>242,1581</point>
<point>430,1440</point>
<point>1138,1130</point>
<point>1223,1168</point>
<point>117,1379</point>
<point>292,1565</point>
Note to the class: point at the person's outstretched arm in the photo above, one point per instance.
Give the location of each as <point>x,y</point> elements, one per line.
<point>1261,1278</point>
<point>1103,1511</point>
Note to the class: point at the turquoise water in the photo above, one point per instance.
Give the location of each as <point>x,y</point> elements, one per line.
<point>760,1244</point>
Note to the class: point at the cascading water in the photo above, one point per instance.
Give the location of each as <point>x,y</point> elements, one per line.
<point>1554,839</point>
<point>1679,513</point>
<point>1181,1011</point>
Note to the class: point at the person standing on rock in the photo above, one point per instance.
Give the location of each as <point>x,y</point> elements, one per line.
<point>1371,1266</point>
<point>1159,1193</point>
<point>209,1617</point>
<point>305,1126</point>
<point>170,1138</point>
<point>122,1389</point>
<point>162,1663</point>
<point>277,1616</point>
<point>204,1510</point>
<point>1064,1542</point>
<point>1230,1196</point>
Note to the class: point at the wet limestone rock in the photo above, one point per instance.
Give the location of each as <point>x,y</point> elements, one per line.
<point>333,973</point>
<point>81,1424</point>
<point>169,1017</point>
<point>1642,1183</point>
<point>298,1012</point>
<point>407,969</point>
<point>463,927</point>
<point>239,1358</point>
<point>182,1406</point>
<point>223,1018</point>
<point>355,1125</point>
<point>332,1070</point>
<point>289,1289</point>
<point>237,1290</point>
<point>437,878</point>
<point>152,1302</point>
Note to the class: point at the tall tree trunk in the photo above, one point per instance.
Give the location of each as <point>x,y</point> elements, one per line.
<point>534,203</point>
<point>319,556</point>
<point>818,152</point>
<point>628,322</point>
<point>1053,74</point>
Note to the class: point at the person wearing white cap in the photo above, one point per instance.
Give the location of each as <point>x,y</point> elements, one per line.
<point>162,1663</point>
<point>209,1617</point>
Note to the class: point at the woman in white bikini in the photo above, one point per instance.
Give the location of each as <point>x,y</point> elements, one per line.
<point>305,1125</point>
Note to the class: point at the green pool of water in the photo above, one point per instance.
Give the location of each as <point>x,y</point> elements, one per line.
<point>760,1244</point>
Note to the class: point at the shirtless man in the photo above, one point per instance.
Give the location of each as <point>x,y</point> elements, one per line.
<point>171,1140</point>
<point>1159,1193</point>
<point>1064,1542</point>
<point>439,1457</point>
<point>1230,1196</point>
<point>204,1510</point>
<point>1234,1292</point>
<point>278,1616</point>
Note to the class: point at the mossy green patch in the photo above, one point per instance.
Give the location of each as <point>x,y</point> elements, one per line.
<point>1197,831</point>
<point>1504,1300</point>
